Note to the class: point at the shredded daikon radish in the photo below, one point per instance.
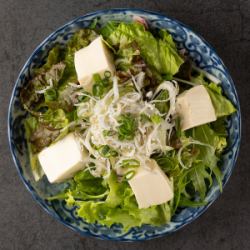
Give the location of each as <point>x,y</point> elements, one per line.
<point>74,85</point>
<point>185,81</point>
<point>140,79</point>
<point>139,65</point>
<point>173,90</point>
<point>115,88</point>
<point>208,75</point>
<point>85,109</point>
<point>149,94</point>
<point>103,116</point>
<point>108,170</point>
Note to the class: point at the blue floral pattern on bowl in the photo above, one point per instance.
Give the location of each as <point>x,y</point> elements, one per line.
<point>202,54</point>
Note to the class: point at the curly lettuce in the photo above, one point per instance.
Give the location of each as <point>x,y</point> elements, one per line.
<point>110,202</point>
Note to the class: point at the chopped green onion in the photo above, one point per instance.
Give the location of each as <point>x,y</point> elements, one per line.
<point>129,175</point>
<point>127,128</point>
<point>107,74</point>
<point>106,151</point>
<point>130,163</point>
<point>101,86</point>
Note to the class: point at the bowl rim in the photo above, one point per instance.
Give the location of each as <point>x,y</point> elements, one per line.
<point>17,164</point>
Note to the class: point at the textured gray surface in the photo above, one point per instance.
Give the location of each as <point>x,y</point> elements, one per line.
<point>25,23</point>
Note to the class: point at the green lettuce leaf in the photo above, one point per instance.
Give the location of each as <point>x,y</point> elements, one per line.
<point>117,206</point>
<point>126,56</point>
<point>167,38</point>
<point>85,183</point>
<point>55,56</point>
<point>222,105</point>
<point>30,125</point>
<point>160,54</point>
<point>109,28</point>
<point>116,191</point>
<point>219,127</point>
<point>56,119</point>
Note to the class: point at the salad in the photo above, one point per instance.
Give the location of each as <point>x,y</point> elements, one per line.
<point>132,126</point>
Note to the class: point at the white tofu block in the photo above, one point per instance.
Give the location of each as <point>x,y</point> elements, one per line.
<point>195,107</point>
<point>95,58</point>
<point>62,159</point>
<point>151,186</point>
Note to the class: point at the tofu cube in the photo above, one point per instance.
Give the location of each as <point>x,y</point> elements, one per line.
<point>151,186</point>
<point>95,58</point>
<point>195,107</point>
<point>62,159</point>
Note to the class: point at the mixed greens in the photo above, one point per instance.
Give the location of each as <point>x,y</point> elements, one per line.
<point>140,123</point>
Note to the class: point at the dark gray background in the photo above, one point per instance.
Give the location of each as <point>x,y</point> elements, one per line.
<point>25,23</point>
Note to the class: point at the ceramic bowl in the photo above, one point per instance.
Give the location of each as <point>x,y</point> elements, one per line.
<point>201,53</point>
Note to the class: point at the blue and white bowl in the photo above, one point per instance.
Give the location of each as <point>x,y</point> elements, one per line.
<point>202,54</point>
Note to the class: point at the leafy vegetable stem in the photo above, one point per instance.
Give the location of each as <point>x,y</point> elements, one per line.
<point>185,81</point>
